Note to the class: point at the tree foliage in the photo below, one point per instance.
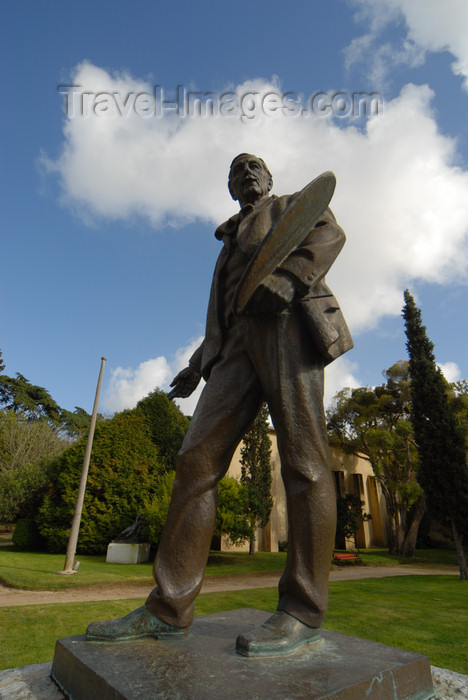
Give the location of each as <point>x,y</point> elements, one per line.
<point>26,448</point>
<point>459,399</point>
<point>155,509</point>
<point>19,395</point>
<point>256,472</point>
<point>349,515</point>
<point>167,425</point>
<point>26,535</point>
<point>123,473</point>
<point>33,430</point>
<point>231,517</point>
<point>35,403</point>
<point>374,424</point>
<point>443,471</point>
<point>131,456</point>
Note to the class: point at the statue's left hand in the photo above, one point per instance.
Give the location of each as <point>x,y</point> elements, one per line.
<point>272,296</point>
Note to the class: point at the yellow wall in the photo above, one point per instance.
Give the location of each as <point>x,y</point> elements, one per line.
<point>372,533</point>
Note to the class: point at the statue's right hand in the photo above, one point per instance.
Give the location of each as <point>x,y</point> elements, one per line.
<point>184,383</point>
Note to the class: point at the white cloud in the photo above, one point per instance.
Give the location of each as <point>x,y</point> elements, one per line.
<point>182,357</point>
<point>127,386</point>
<point>431,25</point>
<point>339,374</point>
<point>401,197</point>
<point>451,371</point>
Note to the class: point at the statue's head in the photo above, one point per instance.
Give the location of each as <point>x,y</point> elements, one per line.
<point>249,179</point>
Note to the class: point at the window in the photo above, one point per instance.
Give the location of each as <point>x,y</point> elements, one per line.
<point>358,486</point>
<point>338,477</point>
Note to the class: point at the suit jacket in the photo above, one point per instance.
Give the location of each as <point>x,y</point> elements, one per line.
<point>307,265</point>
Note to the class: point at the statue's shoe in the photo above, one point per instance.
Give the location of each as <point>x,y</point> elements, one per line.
<point>137,624</point>
<point>281,634</point>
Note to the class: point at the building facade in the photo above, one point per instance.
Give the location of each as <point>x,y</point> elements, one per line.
<point>351,474</point>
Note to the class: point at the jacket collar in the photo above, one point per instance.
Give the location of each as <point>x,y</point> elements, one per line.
<point>229,227</point>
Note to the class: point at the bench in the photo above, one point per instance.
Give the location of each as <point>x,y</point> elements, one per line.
<point>352,558</point>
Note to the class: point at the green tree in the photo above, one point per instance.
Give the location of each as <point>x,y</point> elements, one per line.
<point>374,424</point>
<point>31,433</point>
<point>443,472</point>
<point>155,509</point>
<point>459,400</point>
<point>35,403</point>
<point>123,474</point>
<point>19,395</point>
<point>231,517</point>
<point>131,455</point>
<point>167,425</point>
<point>26,448</point>
<point>349,515</point>
<point>256,473</point>
<point>76,423</point>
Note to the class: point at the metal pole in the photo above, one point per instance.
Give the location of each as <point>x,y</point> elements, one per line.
<point>73,539</point>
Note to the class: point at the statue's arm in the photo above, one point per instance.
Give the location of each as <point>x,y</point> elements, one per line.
<point>188,379</point>
<point>306,266</point>
<point>274,295</point>
<point>311,261</point>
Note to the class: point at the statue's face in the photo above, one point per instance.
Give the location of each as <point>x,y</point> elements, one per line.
<point>249,180</point>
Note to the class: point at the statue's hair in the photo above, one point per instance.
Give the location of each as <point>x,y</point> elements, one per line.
<point>249,155</point>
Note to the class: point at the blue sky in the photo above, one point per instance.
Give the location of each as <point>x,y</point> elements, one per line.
<point>108,221</point>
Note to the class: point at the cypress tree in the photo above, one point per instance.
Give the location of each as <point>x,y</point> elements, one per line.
<point>443,472</point>
<point>256,472</point>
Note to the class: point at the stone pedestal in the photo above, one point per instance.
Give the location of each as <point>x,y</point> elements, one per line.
<point>203,664</point>
<point>127,553</point>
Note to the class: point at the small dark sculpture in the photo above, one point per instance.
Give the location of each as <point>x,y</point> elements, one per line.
<point>132,533</point>
<point>272,326</point>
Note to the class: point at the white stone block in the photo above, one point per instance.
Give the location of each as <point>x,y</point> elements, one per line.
<point>127,553</point>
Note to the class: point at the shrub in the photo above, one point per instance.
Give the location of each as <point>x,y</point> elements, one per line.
<point>167,425</point>
<point>154,512</point>
<point>231,517</point>
<point>26,448</point>
<point>123,474</point>
<point>26,535</point>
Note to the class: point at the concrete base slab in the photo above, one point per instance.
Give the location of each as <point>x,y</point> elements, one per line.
<point>29,683</point>
<point>127,553</point>
<point>204,664</point>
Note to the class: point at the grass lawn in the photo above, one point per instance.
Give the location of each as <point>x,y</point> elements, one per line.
<point>38,570</point>
<point>426,614</point>
<point>424,558</point>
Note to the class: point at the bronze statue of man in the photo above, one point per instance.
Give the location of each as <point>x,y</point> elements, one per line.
<point>274,351</point>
